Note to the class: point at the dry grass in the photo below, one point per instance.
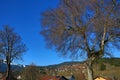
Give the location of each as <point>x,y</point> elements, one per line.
<point>111,71</point>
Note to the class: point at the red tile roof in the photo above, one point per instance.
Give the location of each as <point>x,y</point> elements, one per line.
<point>52,78</point>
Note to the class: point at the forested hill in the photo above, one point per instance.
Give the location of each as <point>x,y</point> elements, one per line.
<point>111,61</point>
<point>3,67</point>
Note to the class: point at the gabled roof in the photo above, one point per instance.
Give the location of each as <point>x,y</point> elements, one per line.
<point>72,78</point>
<point>102,78</point>
<point>53,78</point>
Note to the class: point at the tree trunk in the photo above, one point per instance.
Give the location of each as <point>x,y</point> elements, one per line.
<point>89,70</point>
<point>8,71</point>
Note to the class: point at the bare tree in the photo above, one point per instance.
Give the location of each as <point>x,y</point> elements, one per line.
<point>12,47</point>
<point>30,73</point>
<point>80,27</point>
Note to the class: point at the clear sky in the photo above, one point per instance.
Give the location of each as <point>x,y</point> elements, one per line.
<point>24,16</point>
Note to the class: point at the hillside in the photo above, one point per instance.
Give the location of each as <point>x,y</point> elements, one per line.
<point>64,63</point>
<point>3,67</point>
<point>104,67</point>
<point>111,61</point>
<point>109,67</point>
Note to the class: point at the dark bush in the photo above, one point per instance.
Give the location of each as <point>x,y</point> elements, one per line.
<point>102,67</point>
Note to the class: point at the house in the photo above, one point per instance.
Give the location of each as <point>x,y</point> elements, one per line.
<point>53,78</point>
<point>102,78</point>
<point>72,78</point>
<point>19,77</point>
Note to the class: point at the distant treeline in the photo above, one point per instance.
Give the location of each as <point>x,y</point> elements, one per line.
<point>111,61</point>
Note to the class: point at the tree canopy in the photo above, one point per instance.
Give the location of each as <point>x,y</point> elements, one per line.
<point>80,27</point>
<point>12,44</point>
<point>12,47</point>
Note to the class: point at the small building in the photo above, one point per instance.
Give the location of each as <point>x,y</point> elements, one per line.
<point>102,78</point>
<point>19,77</point>
<point>53,78</point>
<point>72,78</point>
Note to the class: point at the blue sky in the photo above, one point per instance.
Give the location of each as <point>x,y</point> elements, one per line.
<point>24,16</point>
